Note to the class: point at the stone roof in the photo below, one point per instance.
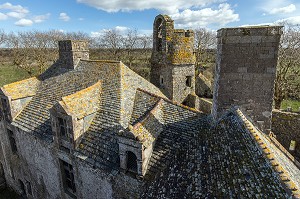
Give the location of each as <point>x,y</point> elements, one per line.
<point>21,89</point>
<point>222,161</point>
<point>83,102</point>
<point>191,157</point>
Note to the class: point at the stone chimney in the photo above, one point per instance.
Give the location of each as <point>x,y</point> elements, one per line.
<point>245,72</point>
<point>70,52</point>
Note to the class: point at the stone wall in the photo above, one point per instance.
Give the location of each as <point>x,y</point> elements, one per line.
<point>172,60</point>
<point>205,105</point>
<point>245,71</point>
<point>286,127</point>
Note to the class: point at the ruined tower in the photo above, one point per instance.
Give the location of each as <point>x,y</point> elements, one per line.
<point>172,61</point>
<point>70,52</point>
<point>245,71</point>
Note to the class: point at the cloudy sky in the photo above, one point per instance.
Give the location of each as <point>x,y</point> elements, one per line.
<point>94,16</point>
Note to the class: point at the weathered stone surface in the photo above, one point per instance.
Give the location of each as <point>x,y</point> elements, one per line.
<point>172,60</point>
<point>245,71</point>
<point>203,87</point>
<point>71,137</point>
<point>286,127</point>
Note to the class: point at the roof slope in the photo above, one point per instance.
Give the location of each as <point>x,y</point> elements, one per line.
<point>118,87</point>
<point>224,162</point>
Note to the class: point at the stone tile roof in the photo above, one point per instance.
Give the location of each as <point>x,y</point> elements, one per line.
<point>190,159</point>
<point>21,89</point>
<point>35,117</point>
<point>224,161</point>
<point>83,102</point>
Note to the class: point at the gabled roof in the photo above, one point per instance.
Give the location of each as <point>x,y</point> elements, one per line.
<point>83,102</point>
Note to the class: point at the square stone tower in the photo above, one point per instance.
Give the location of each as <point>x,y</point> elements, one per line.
<point>246,71</point>
<point>172,61</point>
<point>70,52</point>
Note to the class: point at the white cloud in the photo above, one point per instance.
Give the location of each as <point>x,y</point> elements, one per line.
<point>24,22</point>
<point>119,29</point>
<point>14,8</point>
<point>63,16</point>
<point>18,15</point>
<point>290,20</point>
<point>41,18</point>
<point>199,18</point>
<point>167,6</point>
<point>2,16</point>
<point>80,19</point>
<point>287,9</point>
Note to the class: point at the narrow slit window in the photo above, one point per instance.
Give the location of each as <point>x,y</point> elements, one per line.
<point>188,81</point>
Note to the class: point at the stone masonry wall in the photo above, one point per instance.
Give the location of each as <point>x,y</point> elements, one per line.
<point>245,71</point>
<point>286,127</point>
<point>172,60</point>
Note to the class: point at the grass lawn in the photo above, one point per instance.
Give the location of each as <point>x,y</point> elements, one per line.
<point>9,74</point>
<point>291,103</point>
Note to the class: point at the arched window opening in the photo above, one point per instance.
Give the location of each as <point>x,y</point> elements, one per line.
<point>131,162</point>
<point>159,24</point>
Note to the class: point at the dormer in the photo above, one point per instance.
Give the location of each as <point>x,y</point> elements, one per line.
<point>71,52</point>
<point>136,143</point>
<point>15,96</point>
<point>72,116</point>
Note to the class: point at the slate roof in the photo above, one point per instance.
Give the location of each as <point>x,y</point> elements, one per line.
<point>191,157</point>
<point>220,162</point>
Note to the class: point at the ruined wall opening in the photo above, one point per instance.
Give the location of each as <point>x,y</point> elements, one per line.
<point>22,186</point>
<point>131,162</point>
<point>5,109</point>
<point>68,178</point>
<point>159,34</point>
<point>12,141</point>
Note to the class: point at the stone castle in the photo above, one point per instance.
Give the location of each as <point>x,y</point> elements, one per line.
<point>96,129</point>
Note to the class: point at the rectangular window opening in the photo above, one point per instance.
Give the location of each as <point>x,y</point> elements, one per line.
<point>68,177</point>
<point>28,186</point>
<point>188,81</point>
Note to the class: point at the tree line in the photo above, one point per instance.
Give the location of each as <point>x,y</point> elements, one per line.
<point>35,51</point>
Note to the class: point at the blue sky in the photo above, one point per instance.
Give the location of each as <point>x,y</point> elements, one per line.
<point>94,16</point>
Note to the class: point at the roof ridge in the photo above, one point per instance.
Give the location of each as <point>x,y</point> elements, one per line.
<point>170,101</point>
<point>260,139</point>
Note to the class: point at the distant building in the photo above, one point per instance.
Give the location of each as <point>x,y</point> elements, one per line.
<point>96,129</point>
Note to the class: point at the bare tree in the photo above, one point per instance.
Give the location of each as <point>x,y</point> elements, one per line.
<point>35,51</point>
<point>112,41</point>
<point>2,37</point>
<point>288,68</point>
<point>205,44</point>
<point>131,44</point>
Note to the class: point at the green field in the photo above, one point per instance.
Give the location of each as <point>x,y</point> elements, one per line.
<point>294,104</point>
<point>9,74</point>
